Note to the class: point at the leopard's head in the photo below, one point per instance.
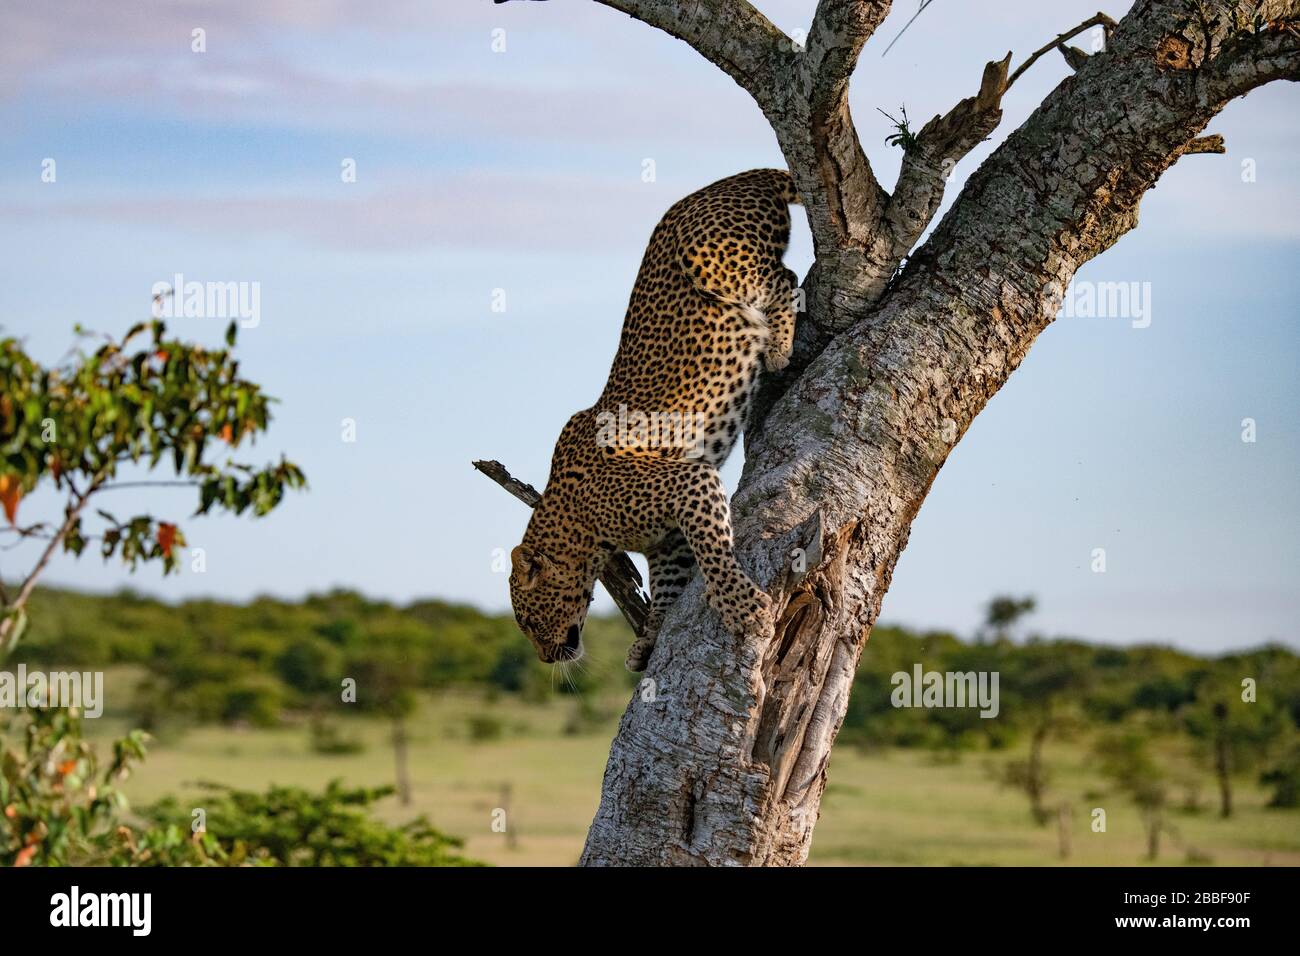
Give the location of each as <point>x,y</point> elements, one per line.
<point>551,582</point>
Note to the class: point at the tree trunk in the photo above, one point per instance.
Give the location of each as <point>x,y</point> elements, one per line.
<point>1222,769</point>
<point>508,811</point>
<point>400,761</point>
<point>1035,782</point>
<point>721,756</point>
<point>1064,815</point>
<point>1154,824</point>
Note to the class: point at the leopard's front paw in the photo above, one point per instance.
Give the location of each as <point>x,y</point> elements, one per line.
<point>775,361</point>
<point>638,655</point>
<point>750,616</point>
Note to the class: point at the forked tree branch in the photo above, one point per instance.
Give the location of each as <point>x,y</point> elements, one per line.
<point>881,228</point>
<point>945,140</point>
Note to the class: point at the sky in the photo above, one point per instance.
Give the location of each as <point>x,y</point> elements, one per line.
<point>499,155</point>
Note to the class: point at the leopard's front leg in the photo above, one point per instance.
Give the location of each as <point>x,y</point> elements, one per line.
<point>781,315</point>
<point>705,520</point>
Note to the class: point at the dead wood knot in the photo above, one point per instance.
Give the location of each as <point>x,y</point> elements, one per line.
<point>1174,53</point>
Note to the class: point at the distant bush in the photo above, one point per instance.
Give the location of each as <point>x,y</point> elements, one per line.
<point>483,727</point>
<point>257,699</point>
<point>327,740</point>
<point>586,717</point>
<point>285,826</point>
<point>1284,778</point>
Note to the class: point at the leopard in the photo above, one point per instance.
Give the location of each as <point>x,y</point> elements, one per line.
<point>713,306</point>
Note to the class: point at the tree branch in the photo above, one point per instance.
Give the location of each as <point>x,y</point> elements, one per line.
<point>9,624</point>
<point>945,140</point>
<point>940,144</point>
<point>886,227</point>
<point>898,36</point>
<point>120,485</point>
<point>823,125</point>
<point>840,29</point>
<point>1097,153</point>
<point>1248,58</point>
<point>620,577</point>
<point>731,34</point>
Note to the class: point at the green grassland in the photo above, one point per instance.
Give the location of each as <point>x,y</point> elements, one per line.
<point>888,807</point>
<point>233,693</point>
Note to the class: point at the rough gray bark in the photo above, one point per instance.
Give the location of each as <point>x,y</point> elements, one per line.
<point>721,756</point>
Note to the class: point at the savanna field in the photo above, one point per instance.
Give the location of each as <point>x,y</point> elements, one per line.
<point>507,755</point>
<point>893,807</point>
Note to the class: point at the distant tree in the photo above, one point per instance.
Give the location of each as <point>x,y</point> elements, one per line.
<point>1002,613</point>
<point>1044,683</point>
<point>1126,759</point>
<point>1233,736</point>
<point>129,405</point>
<point>388,675</point>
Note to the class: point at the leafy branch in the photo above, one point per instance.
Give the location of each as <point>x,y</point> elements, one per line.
<point>143,402</point>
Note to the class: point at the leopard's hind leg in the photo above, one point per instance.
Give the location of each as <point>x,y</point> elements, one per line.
<point>671,566</point>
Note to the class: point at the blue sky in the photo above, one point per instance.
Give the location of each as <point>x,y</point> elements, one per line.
<point>521,170</point>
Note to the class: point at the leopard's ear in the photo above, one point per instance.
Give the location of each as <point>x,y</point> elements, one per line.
<point>528,567</point>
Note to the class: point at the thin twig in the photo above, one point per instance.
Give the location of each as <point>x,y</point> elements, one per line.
<point>620,577</point>
<point>920,10</point>
<point>1096,20</point>
<point>149,484</point>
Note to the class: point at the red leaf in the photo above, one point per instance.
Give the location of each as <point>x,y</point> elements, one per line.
<point>11,492</point>
<point>166,537</point>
